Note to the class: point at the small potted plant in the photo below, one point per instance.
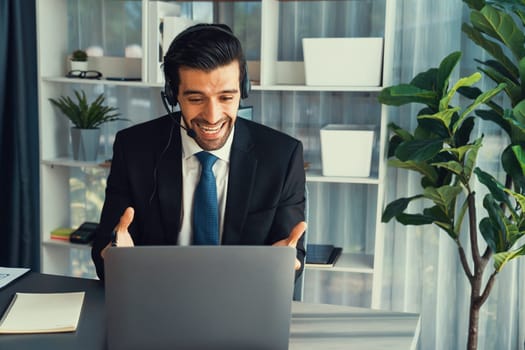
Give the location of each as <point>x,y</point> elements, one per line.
<point>78,60</point>
<point>86,118</point>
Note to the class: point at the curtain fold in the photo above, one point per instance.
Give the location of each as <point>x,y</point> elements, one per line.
<point>19,192</point>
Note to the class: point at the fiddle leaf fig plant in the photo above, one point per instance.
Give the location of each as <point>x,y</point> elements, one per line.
<point>443,151</point>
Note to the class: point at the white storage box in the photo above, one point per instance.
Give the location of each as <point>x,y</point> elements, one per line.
<point>118,68</point>
<point>343,61</point>
<point>346,149</point>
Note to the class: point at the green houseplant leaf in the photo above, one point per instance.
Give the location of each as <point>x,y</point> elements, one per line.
<point>85,115</point>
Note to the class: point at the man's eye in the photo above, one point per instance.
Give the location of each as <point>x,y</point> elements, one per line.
<point>227,98</point>
<point>195,100</point>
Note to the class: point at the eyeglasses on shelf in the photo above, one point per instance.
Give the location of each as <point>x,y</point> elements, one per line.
<point>84,74</point>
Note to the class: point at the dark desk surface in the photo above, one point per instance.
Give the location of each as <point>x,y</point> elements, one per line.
<point>91,326</point>
<point>314,326</point>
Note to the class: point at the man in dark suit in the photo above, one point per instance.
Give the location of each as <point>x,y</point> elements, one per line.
<point>259,171</point>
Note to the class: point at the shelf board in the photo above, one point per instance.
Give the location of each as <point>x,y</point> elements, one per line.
<point>65,244</point>
<point>65,80</point>
<point>316,88</point>
<point>70,162</point>
<point>316,176</point>
<point>255,87</point>
<point>350,262</point>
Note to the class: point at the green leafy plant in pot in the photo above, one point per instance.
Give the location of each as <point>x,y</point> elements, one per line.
<point>441,150</point>
<point>86,118</point>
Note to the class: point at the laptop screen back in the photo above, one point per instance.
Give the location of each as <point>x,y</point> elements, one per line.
<point>226,297</point>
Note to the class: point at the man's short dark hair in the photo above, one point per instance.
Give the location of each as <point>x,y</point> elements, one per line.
<point>204,47</point>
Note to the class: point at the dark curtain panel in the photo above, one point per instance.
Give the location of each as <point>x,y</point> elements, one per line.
<point>19,178</point>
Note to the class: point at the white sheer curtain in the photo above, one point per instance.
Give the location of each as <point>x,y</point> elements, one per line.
<point>422,272</point>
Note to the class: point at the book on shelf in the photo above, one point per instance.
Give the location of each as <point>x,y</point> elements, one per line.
<point>61,234</point>
<point>157,11</point>
<point>322,255</point>
<point>42,313</point>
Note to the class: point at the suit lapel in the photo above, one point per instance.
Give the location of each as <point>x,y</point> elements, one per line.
<point>170,187</point>
<point>243,165</point>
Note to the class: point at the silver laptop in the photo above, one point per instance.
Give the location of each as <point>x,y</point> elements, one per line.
<point>225,297</point>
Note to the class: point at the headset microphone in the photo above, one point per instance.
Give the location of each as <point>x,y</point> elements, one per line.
<point>190,132</point>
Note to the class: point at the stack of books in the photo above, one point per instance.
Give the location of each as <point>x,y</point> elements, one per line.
<point>61,234</point>
<point>322,255</point>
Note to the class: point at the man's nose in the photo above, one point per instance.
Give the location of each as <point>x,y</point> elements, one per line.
<point>212,112</point>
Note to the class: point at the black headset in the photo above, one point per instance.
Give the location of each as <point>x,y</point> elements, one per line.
<point>171,92</point>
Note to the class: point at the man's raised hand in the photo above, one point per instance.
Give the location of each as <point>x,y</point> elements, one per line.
<point>292,239</point>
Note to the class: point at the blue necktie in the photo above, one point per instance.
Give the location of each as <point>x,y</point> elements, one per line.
<point>205,210</point>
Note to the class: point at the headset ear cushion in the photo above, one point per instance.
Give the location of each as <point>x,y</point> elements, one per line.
<point>245,83</point>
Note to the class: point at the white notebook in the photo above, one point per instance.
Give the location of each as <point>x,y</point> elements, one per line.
<point>42,313</point>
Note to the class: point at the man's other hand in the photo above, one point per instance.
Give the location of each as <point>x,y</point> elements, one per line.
<point>123,238</point>
<point>292,239</point>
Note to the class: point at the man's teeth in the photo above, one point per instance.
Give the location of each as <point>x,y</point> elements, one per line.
<point>207,129</point>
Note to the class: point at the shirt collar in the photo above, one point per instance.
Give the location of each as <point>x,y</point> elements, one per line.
<point>190,146</point>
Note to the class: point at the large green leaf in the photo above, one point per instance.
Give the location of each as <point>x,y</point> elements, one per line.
<point>475,4</point>
<point>517,127</point>
<point>396,207</point>
<point>423,168</point>
<point>500,259</point>
<point>483,98</point>
<point>452,166</point>
<point>396,129</point>
<point>418,150</point>
<point>445,70</point>
<point>500,26</point>
<point>495,187</point>
<point>466,81</point>
<point>496,118</point>
<point>444,197</point>
<point>498,221</point>
<point>472,157</point>
<point>426,80</point>
<point>496,66</point>
<point>414,219</point>
<point>405,93</point>
<point>512,89</point>
<point>441,219</point>
<point>494,49</point>
<point>513,166</point>
<point>462,135</point>
<point>443,116</point>
<point>460,216</point>
<point>518,113</point>
<point>489,233</point>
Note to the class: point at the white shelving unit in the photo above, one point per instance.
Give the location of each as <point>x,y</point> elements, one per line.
<point>59,181</point>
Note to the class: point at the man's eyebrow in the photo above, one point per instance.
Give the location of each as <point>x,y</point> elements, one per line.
<point>197,92</point>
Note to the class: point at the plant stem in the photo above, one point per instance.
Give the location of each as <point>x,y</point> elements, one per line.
<point>480,263</point>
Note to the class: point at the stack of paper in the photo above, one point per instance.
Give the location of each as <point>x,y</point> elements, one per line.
<point>42,313</point>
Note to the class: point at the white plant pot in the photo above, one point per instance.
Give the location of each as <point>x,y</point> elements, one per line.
<point>79,65</point>
<point>85,144</point>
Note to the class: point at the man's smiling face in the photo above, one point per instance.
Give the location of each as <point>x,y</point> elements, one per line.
<point>209,101</point>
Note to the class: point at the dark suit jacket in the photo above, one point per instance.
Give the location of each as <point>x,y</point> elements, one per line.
<point>265,195</point>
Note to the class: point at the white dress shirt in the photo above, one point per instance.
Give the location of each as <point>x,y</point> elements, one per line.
<point>191,171</point>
